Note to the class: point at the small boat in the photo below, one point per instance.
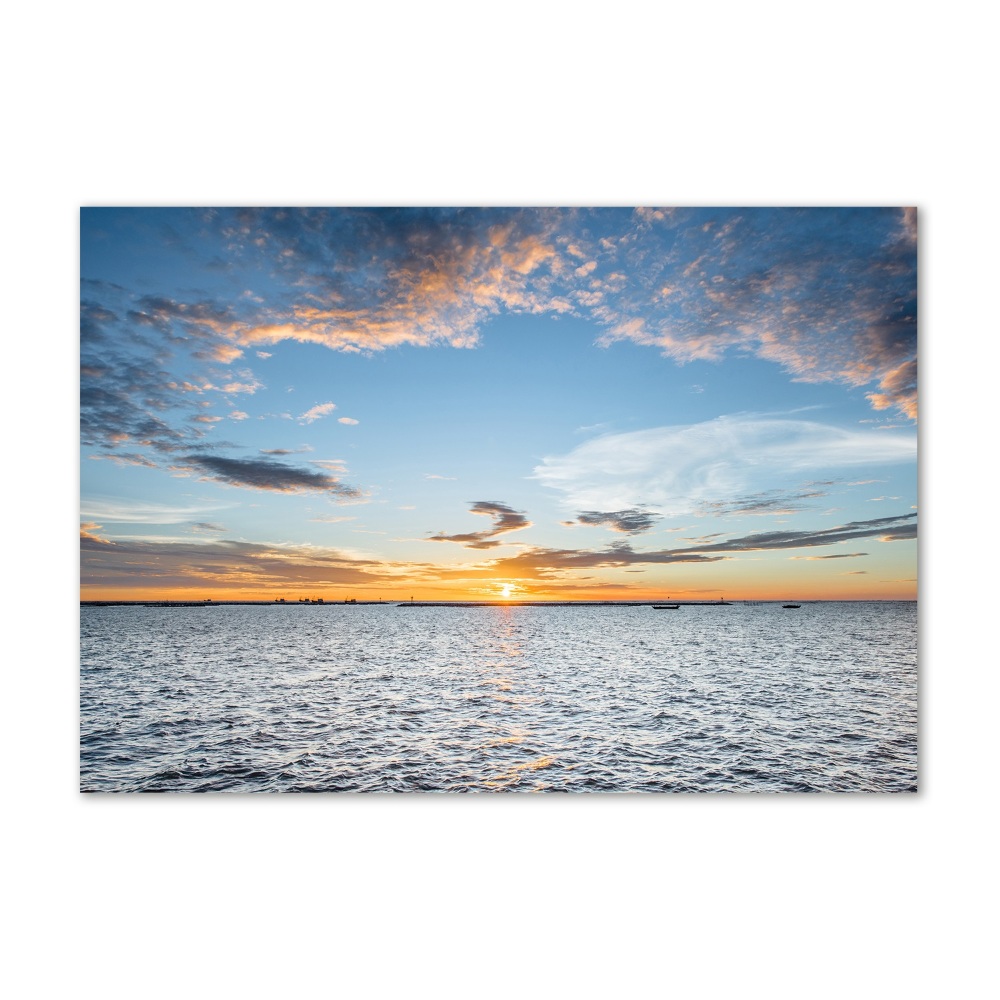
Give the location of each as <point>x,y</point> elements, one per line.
<point>791,605</point>
<point>665,607</point>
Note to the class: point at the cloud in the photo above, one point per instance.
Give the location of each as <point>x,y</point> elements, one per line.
<point>504,519</point>
<point>347,420</point>
<point>223,353</point>
<point>839,555</point>
<point>135,403</point>
<point>828,294</point>
<point>899,389</point>
<point>768,503</point>
<point>136,563</point>
<point>94,318</point>
<point>265,474</point>
<point>120,510</point>
<point>687,469</point>
<point>378,278</point>
<point>547,563</point>
<point>125,401</point>
<point>630,522</point>
<point>124,458</point>
<point>432,475</point>
<point>319,410</point>
<point>88,533</point>
<point>205,326</point>
<point>250,386</point>
<point>896,528</point>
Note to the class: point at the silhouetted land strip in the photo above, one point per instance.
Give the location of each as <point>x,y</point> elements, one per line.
<point>392,604</point>
<point>552,604</point>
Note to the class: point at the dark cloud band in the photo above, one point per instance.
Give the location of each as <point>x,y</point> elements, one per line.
<point>262,474</point>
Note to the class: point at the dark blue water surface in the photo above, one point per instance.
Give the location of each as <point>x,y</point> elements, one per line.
<point>748,698</point>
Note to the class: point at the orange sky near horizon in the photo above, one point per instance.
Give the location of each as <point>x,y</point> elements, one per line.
<point>802,590</point>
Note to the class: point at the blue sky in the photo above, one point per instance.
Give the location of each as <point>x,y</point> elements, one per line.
<point>605,403</point>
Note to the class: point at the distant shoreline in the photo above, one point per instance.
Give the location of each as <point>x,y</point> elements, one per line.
<point>468,604</point>
<point>395,604</point>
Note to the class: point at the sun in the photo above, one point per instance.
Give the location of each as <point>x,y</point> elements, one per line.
<point>507,589</point>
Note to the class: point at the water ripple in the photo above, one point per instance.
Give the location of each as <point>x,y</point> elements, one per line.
<point>365,698</point>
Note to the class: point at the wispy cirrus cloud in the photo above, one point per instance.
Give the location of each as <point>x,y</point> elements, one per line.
<point>838,555</point>
<point>701,468</point>
<point>124,458</point>
<point>769,503</point>
<point>122,510</point>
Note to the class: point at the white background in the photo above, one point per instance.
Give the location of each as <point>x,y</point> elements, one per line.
<point>525,103</point>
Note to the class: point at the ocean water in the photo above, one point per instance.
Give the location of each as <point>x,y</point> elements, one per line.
<point>377,698</point>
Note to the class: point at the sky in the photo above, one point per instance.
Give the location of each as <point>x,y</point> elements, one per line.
<point>487,404</point>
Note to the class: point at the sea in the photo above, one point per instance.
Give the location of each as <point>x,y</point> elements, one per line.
<point>740,697</point>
